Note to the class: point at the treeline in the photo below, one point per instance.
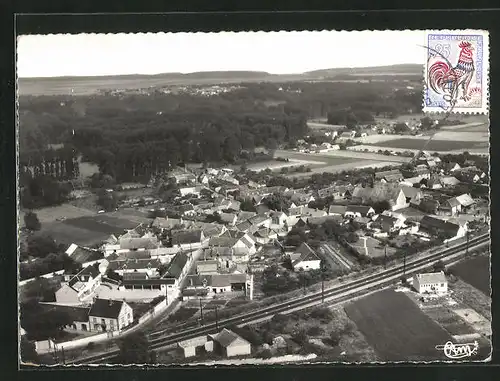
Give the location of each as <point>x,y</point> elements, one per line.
<point>134,136</point>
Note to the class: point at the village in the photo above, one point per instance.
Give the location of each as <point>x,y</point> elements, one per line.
<point>216,244</point>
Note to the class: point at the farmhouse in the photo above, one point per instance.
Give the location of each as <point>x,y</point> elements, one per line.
<point>438,227</point>
<point>230,344</point>
<point>82,254</point>
<point>188,239</point>
<point>278,219</point>
<point>189,347</point>
<point>79,287</point>
<point>449,181</point>
<point>359,211</point>
<point>337,210</point>
<point>110,315</point>
<point>213,284</point>
<point>307,259</point>
<point>430,283</point>
<point>389,176</point>
<point>79,315</point>
<point>209,266</point>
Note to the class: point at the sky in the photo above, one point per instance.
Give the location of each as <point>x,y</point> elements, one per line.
<point>273,52</point>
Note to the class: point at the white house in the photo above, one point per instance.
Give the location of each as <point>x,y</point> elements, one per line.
<point>110,315</point>
<point>430,283</point>
<point>230,344</point>
<point>188,239</point>
<point>278,220</point>
<point>307,260</point>
<point>80,286</point>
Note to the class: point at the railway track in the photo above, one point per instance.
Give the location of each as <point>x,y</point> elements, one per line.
<point>338,293</point>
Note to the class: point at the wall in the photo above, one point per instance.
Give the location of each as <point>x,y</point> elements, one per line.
<point>157,309</point>
<point>45,346</point>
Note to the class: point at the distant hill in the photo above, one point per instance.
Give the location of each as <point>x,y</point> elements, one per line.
<point>376,70</point>
<point>89,85</point>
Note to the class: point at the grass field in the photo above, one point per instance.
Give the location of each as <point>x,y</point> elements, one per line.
<point>88,230</point>
<point>396,328</point>
<point>434,145</point>
<point>50,214</point>
<point>476,272</point>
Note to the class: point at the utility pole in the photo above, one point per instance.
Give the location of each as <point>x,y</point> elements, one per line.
<point>404,263</point>
<point>62,356</point>
<point>201,312</point>
<point>467,247</point>
<point>385,257</point>
<point>216,318</point>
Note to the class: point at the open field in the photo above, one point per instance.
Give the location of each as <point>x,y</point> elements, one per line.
<point>396,328</point>
<point>434,145</point>
<point>67,234</point>
<point>476,272</point>
<point>275,165</point>
<point>51,214</point>
<point>87,230</point>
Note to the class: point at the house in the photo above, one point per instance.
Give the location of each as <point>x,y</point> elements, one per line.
<point>411,194</point>
<point>422,170</point>
<point>438,227</point>
<point>80,286</point>
<point>337,192</point>
<point>190,347</point>
<point>148,266</point>
<point>186,210</point>
<point>110,315</point>
<point>164,224</point>
<point>346,135</point>
<point>390,192</point>
<point>127,244</point>
<point>300,199</point>
<point>307,260</point>
<point>451,206</point>
<point>176,271</point>
<point>465,201</point>
<point>452,167</point>
<point>229,344</point>
<point>78,314</point>
<point>359,211</point>
<point>411,181</point>
<point>82,254</point>
<point>213,284</point>
<point>188,239</point>
<point>429,206</point>
<point>228,218</point>
<point>265,235</point>
<point>389,176</point>
<point>184,191</point>
<point>430,283</point>
<point>278,220</point>
<point>449,181</point>
<point>241,243</point>
<point>210,266</point>
<point>243,216</point>
<point>387,223</point>
<point>339,210</point>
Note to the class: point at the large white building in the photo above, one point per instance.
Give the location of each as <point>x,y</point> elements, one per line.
<point>430,283</point>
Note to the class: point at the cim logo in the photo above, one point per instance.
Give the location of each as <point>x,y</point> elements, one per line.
<point>458,351</point>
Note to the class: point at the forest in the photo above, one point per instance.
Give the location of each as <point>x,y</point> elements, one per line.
<point>134,136</point>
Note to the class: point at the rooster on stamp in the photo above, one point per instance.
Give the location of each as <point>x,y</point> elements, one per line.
<point>456,72</point>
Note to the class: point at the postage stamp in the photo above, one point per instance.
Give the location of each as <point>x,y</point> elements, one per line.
<point>456,71</point>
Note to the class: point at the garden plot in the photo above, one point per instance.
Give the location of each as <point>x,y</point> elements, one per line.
<point>396,328</point>
<point>478,322</point>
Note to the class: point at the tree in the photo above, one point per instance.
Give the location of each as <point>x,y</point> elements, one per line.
<point>134,349</point>
<point>380,206</point>
<point>40,323</point>
<point>300,337</point>
<point>28,351</point>
<point>108,201</point>
<point>247,205</point>
<point>41,245</point>
<point>401,128</point>
<point>31,221</point>
<point>439,266</point>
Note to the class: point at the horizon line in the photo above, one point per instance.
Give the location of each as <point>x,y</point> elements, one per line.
<point>215,71</point>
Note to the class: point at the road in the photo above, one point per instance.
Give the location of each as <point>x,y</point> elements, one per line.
<point>342,292</point>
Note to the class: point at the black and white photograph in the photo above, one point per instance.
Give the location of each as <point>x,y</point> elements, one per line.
<point>253,198</point>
